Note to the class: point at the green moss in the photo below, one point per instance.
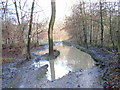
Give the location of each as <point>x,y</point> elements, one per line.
<point>43,42</point>
<point>108,44</point>
<point>7,60</point>
<point>81,48</point>
<point>1,42</point>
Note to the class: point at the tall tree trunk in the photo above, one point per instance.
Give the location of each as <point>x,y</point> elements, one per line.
<point>84,26</point>
<point>91,26</point>
<point>37,36</point>
<point>91,31</point>
<point>0,43</point>
<point>29,32</point>
<point>97,35</point>
<point>111,36</point>
<point>0,52</point>
<point>20,39</point>
<point>102,27</point>
<point>85,34</point>
<point>37,27</point>
<point>118,33</point>
<point>118,45</point>
<point>50,29</point>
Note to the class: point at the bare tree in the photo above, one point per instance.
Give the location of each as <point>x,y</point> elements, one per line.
<point>0,43</point>
<point>85,25</point>
<point>101,19</point>
<point>0,52</point>
<point>50,29</point>
<point>29,31</point>
<point>91,25</point>
<point>118,44</point>
<point>21,26</point>
<point>118,32</point>
<point>17,12</point>
<point>111,34</point>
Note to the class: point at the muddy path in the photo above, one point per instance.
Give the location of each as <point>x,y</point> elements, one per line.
<point>71,69</point>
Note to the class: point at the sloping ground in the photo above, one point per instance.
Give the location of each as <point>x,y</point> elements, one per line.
<point>112,75</point>
<point>108,62</point>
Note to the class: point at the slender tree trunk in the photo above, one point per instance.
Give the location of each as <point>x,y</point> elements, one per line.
<point>91,31</point>
<point>102,27</point>
<point>20,39</point>
<point>118,33</point>
<point>84,26</point>
<point>29,32</point>
<point>91,26</point>
<point>50,29</point>
<point>118,44</point>
<point>0,52</point>
<point>85,34</point>
<point>111,36</point>
<point>17,12</point>
<point>97,34</point>
<point>37,27</point>
<point>37,34</point>
<point>21,28</point>
<point>0,44</point>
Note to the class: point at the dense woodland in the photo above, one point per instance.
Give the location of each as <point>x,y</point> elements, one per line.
<point>95,24</point>
<point>90,24</point>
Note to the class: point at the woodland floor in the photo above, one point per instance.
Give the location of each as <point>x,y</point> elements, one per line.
<point>20,75</point>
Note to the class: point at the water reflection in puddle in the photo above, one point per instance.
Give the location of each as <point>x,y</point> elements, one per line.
<point>70,59</point>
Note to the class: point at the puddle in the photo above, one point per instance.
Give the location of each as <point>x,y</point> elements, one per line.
<point>70,59</point>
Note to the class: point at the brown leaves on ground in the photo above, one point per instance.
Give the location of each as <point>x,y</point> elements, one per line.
<point>9,53</point>
<point>113,74</point>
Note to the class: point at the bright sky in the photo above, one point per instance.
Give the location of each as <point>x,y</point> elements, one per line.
<point>63,7</point>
